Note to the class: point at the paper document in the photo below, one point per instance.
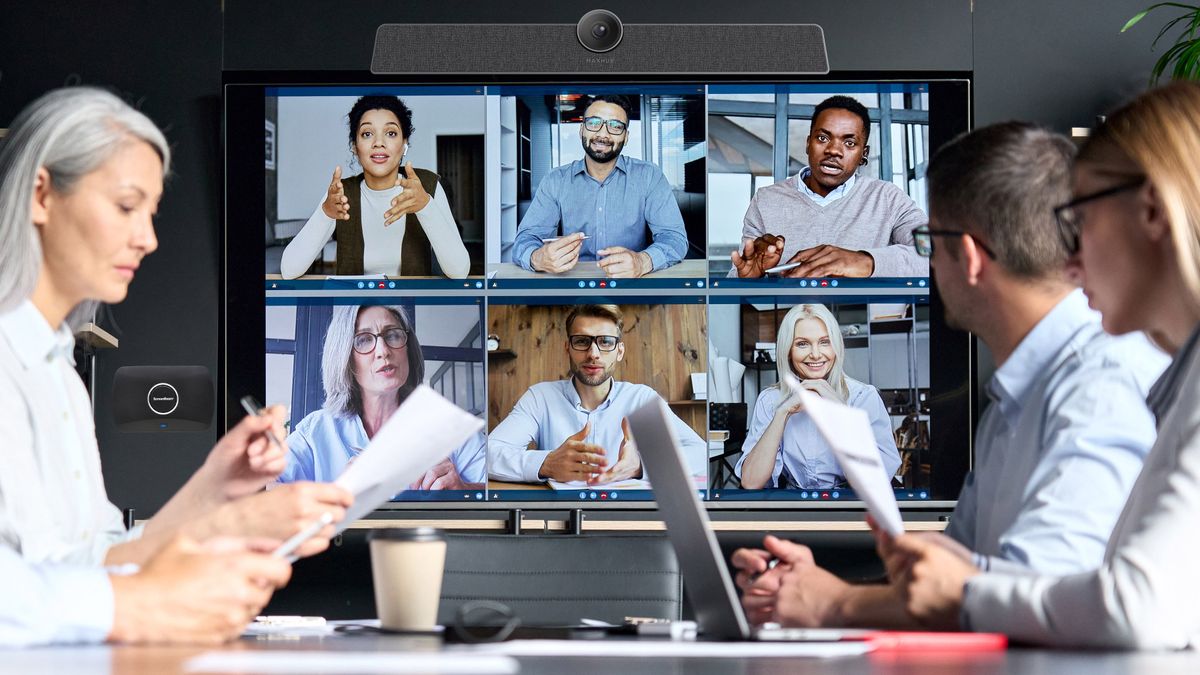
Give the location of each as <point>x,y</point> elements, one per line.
<point>345,661</point>
<point>422,432</point>
<point>626,484</point>
<point>627,649</point>
<point>848,431</point>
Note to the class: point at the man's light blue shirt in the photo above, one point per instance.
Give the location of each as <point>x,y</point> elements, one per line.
<point>805,453</point>
<point>1058,450</point>
<point>50,603</point>
<point>834,194</point>
<point>633,206</point>
<point>323,443</point>
<point>548,412</point>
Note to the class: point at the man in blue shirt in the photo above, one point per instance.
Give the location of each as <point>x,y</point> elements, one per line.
<point>1067,427</point>
<point>605,207</point>
<point>578,425</point>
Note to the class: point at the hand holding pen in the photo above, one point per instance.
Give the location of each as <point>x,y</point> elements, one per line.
<point>246,458</point>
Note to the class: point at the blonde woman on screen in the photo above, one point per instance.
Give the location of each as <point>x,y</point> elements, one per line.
<point>783,447</point>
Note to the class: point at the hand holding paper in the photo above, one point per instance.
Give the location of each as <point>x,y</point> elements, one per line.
<point>423,431</point>
<point>848,431</point>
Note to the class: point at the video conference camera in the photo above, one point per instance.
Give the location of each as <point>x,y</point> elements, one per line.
<point>599,30</point>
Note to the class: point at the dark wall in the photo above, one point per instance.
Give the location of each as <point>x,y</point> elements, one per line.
<point>1056,62</point>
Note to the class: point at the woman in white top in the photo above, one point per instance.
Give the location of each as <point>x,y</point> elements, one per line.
<point>81,176</point>
<point>1134,225</point>
<point>783,447</point>
<point>387,218</point>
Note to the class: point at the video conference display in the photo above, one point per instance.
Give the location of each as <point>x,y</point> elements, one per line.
<point>550,258</point>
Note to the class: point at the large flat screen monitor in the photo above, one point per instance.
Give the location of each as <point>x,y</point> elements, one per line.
<point>549,252</point>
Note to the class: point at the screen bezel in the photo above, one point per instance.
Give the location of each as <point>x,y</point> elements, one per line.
<point>241,366</point>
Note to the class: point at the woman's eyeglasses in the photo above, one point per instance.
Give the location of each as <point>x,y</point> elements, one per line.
<point>615,127</point>
<point>396,338</point>
<point>1070,217</point>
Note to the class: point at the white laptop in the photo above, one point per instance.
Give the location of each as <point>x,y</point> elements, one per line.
<point>707,582</point>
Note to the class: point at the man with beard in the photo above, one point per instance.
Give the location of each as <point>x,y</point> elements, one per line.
<point>605,207</point>
<point>1067,427</point>
<point>828,219</point>
<point>578,425</point>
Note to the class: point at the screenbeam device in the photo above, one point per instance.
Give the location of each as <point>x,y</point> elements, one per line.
<point>162,398</point>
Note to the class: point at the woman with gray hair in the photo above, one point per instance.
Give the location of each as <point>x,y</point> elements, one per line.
<point>370,363</point>
<point>81,174</point>
<point>783,447</point>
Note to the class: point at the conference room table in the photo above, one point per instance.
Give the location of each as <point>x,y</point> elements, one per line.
<point>124,660</point>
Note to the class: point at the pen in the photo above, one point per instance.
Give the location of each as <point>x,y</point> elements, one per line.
<point>286,548</point>
<point>770,566</point>
<point>252,407</point>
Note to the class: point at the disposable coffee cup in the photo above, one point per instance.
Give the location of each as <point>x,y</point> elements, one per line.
<point>406,567</point>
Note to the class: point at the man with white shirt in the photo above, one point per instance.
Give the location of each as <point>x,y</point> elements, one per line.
<point>1067,428</point>
<point>830,219</point>
<point>578,425</point>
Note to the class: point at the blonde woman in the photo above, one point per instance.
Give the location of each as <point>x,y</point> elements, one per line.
<point>1133,228</point>
<point>783,447</point>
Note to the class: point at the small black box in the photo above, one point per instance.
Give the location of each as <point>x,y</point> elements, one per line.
<point>162,398</point>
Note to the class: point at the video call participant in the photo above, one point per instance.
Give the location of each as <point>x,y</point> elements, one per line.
<point>783,447</point>
<point>620,204</point>
<point>583,419</point>
<point>1132,222</point>
<point>1067,429</point>
<point>387,218</point>
<point>370,363</point>
<point>838,223</point>
<point>81,174</point>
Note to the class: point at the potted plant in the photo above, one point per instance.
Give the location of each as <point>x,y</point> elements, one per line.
<point>1185,53</point>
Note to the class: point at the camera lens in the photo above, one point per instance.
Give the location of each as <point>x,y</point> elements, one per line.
<point>599,30</point>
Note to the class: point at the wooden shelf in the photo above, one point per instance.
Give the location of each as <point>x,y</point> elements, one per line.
<point>502,354</point>
<point>700,401</point>
<point>96,337</point>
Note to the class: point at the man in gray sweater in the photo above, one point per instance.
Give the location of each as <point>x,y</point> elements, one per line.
<point>829,221</point>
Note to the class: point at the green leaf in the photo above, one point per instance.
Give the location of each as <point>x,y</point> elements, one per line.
<point>1164,60</point>
<point>1136,18</point>
<point>1169,25</point>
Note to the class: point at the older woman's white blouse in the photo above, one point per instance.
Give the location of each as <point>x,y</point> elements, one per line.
<point>53,506</point>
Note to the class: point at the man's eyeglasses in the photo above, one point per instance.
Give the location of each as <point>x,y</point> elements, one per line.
<point>396,338</point>
<point>1070,217</point>
<point>923,240</point>
<point>582,343</point>
<point>615,127</point>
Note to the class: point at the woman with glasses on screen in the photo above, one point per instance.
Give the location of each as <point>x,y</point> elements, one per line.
<point>1134,232</point>
<point>81,175</point>
<point>388,218</point>
<point>783,447</point>
<point>370,363</point>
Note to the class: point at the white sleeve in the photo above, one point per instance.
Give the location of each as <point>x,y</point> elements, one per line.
<point>442,232</point>
<point>307,244</point>
<point>52,604</point>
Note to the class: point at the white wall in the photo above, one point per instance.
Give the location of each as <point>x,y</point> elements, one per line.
<point>313,138</point>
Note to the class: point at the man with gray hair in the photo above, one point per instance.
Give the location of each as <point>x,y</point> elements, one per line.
<point>1066,429</point>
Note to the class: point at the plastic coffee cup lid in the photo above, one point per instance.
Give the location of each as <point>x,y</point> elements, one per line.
<point>406,534</point>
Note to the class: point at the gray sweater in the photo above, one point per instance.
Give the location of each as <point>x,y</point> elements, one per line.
<point>875,217</point>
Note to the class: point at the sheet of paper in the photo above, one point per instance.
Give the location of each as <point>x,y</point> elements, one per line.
<point>626,649</point>
<point>345,661</point>
<point>627,484</point>
<point>422,432</point>
<point>848,431</point>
